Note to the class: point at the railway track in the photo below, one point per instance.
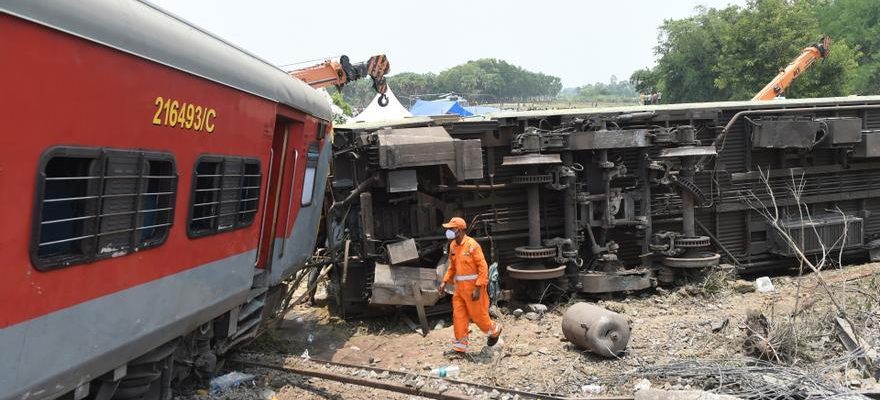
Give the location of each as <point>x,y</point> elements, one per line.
<point>405,382</point>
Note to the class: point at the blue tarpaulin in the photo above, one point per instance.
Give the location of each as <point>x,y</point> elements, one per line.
<point>439,107</point>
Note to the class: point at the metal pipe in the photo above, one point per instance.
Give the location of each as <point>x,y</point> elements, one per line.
<point>345,265</point>
<point>569,216</point>
<point>687,214</point>
<point>568,203</point>
<point>522,393</point>
<point>355,381</point>
<point>534,216</point>
<point>687,199</point>
<point>478,238</point>
<point>477,187</point>
<point>646,200</point>
<point>354,193</point>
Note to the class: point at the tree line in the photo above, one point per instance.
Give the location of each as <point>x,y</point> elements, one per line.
<point>731,53</point>
<point>485,80</point>
<point>614,91</point>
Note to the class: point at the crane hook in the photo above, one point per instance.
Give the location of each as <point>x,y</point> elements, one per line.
<point>383,100</point>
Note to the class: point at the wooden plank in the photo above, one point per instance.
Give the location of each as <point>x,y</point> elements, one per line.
<point>855,344</point>
<point>420,308</point>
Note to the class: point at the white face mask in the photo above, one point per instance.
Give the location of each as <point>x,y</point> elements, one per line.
<point>450,234</point>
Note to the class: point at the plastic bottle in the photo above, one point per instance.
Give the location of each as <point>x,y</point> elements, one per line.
<point>230,380</point>
<point>446,372</point>
<point>764,285</point>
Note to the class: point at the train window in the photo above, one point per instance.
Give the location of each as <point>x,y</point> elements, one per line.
<point>100,203</point>
<point>226,193</point>
<point>310,177</point>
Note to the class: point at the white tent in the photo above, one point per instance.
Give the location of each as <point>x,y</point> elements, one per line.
<point>374,112</point>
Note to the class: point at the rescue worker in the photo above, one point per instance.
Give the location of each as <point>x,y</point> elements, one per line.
<point>469,271</point>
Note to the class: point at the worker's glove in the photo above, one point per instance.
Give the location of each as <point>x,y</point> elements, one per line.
<point>442,288</point>
<point>476,294</point>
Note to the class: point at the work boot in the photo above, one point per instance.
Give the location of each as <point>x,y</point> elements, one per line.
<point>453,354</point>
<point>493,339</point>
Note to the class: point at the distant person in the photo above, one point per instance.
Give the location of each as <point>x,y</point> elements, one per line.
<point>641,98</point>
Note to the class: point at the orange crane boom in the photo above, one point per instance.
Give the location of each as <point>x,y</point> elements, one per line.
<point>339,73</point>
<point>800,64</point>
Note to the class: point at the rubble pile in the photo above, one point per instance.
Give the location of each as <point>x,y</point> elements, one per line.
<point>706,328</point>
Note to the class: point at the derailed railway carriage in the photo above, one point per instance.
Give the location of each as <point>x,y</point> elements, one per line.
<point>157,186</point>
<point>603,201</point>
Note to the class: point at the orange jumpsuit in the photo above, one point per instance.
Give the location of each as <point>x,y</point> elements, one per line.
<point>468,270</point>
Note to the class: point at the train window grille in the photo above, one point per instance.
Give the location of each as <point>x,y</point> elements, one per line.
<point>100,203</point>
<point>310,176</point>
<point>226,192</point>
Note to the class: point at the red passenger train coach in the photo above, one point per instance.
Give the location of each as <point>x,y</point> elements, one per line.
<point>158,184</point>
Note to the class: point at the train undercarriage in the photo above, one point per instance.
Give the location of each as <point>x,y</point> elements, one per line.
<point>603,200</point>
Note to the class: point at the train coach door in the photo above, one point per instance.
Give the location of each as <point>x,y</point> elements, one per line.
<point>277,160</point>
<point>281,184</point>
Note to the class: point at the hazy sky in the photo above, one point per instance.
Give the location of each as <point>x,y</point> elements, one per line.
<point>578,41</point>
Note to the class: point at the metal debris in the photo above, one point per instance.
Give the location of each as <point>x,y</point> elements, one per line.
<point>592,327</point>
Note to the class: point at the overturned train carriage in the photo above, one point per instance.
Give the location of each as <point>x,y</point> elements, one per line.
<point>603,200</point>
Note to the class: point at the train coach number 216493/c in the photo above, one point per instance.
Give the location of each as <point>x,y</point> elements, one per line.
<point>173,113</point>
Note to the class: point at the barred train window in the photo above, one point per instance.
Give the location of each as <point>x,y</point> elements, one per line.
<point>226,193</point>
<point>99,203</point>
<point>310,177</point>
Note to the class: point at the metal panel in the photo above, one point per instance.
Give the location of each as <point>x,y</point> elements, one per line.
<point>414,147</point>
<point>92,338</point>
<point>785,133</point>
<point>404,180</point>
<point>820,234</point>
<point>402,251</point>
<point>469,159</point>
<point>842,130</point>
<point>869,146</point>
<point>731,232</point>
<point>608,139</point>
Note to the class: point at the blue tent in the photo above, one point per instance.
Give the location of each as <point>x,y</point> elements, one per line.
<point>439,107</point>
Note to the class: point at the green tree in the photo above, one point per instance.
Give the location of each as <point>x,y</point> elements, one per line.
<point>411,84</point>
<point>497,80</point>
<point>688,50</point>
<point>856,22</point>
<point>731,53</point>
<point>765,36</point>
<point>481,80</point>
<point>645,80</point>
<point>340,102</point>
<point>613,91</point>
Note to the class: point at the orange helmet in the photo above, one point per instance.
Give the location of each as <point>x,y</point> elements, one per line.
<point>456,222</point>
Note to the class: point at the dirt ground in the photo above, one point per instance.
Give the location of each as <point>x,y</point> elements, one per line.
<point>701,321</point>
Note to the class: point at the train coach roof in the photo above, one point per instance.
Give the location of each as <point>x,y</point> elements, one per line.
<point>147,31</point>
